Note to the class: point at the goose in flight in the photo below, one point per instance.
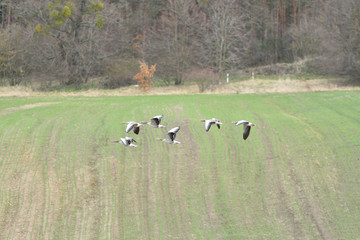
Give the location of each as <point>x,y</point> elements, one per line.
<point>127,142</point>
<point>132,126</point>
<point>170,136</point>
<point>155,122</point>
<point>247,127</point>
<point>210,122</point>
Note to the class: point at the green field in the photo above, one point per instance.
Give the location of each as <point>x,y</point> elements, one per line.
<point>297,176</point>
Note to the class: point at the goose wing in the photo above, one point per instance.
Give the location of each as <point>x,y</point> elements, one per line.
<point>155,121</point>
<point>130,126</point>
<point>208,124</point>
<point>123,141</point>
<point>241,122</point>
<point>246,132</point>
<point>174,130</point>
<point>158,117</point>
<point>171,135</point>
<point>136,130</point>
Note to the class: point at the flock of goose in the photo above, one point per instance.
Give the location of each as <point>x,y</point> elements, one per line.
<point>171,135</point>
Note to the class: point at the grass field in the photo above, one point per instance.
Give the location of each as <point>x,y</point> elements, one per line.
<point>297,176</point>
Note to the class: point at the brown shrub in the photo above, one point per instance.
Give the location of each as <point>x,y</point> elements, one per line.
<point>143,77</point>
<point>203,77</point>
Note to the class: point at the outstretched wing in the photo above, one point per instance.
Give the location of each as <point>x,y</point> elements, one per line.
<point>246,131</point>
<point>123,141</point>
<point>170,136</point>
<point>136,130</point>
<point>208,124</point>
<point>174,130</point>
<point>159,117</point>
<point>241,122</point>
<point>130,126</point>
<point>155,121</point>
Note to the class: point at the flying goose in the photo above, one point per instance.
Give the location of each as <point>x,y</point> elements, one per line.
<point>170,136</point>
<point>132,126</point>
<point>247,127</point>
<point>155,122</point>
<point>127,142</point>
<point>210,122</point>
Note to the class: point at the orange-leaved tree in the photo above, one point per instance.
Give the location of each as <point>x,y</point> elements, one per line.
<point>144,76</point>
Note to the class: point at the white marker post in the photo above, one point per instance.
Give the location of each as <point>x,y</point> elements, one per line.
<point>252,76</point>
<point>227,78</point>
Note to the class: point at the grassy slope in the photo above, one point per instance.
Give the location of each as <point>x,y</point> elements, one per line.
<point>296,177</point>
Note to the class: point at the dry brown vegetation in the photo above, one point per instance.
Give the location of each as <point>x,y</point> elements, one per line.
<point>242,87</point>
<point>143,77</point>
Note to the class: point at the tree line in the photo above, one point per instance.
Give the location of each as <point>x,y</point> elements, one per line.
<point>73,41</point>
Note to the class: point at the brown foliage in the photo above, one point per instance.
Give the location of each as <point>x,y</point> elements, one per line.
<point>143,77</point>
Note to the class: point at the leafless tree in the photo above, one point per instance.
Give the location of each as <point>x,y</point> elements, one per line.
<point>180,35</point>
<point>227,36</point>
<point>71,48</point>
<point>171,45</point>
<point>342,39</point>
<point>305,38</point>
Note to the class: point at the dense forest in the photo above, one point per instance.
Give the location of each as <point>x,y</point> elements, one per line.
<point>73,41</point>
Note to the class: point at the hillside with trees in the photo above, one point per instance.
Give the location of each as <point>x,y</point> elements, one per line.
<point>70,42</point>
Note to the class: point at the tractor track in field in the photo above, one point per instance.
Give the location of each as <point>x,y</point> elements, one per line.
<point>92,199</point>
<point>179,176</point>
<point>276,185</point>
<point>167,190</point>
<point>49,198</point>
<point>212,218</point>
<point>308,207</point>
<point>152,178</point>
<point>170,196</point>
<point>144,193</point>
<point>25,183</point>
<point>7,111</point>
<point>217,218</point>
